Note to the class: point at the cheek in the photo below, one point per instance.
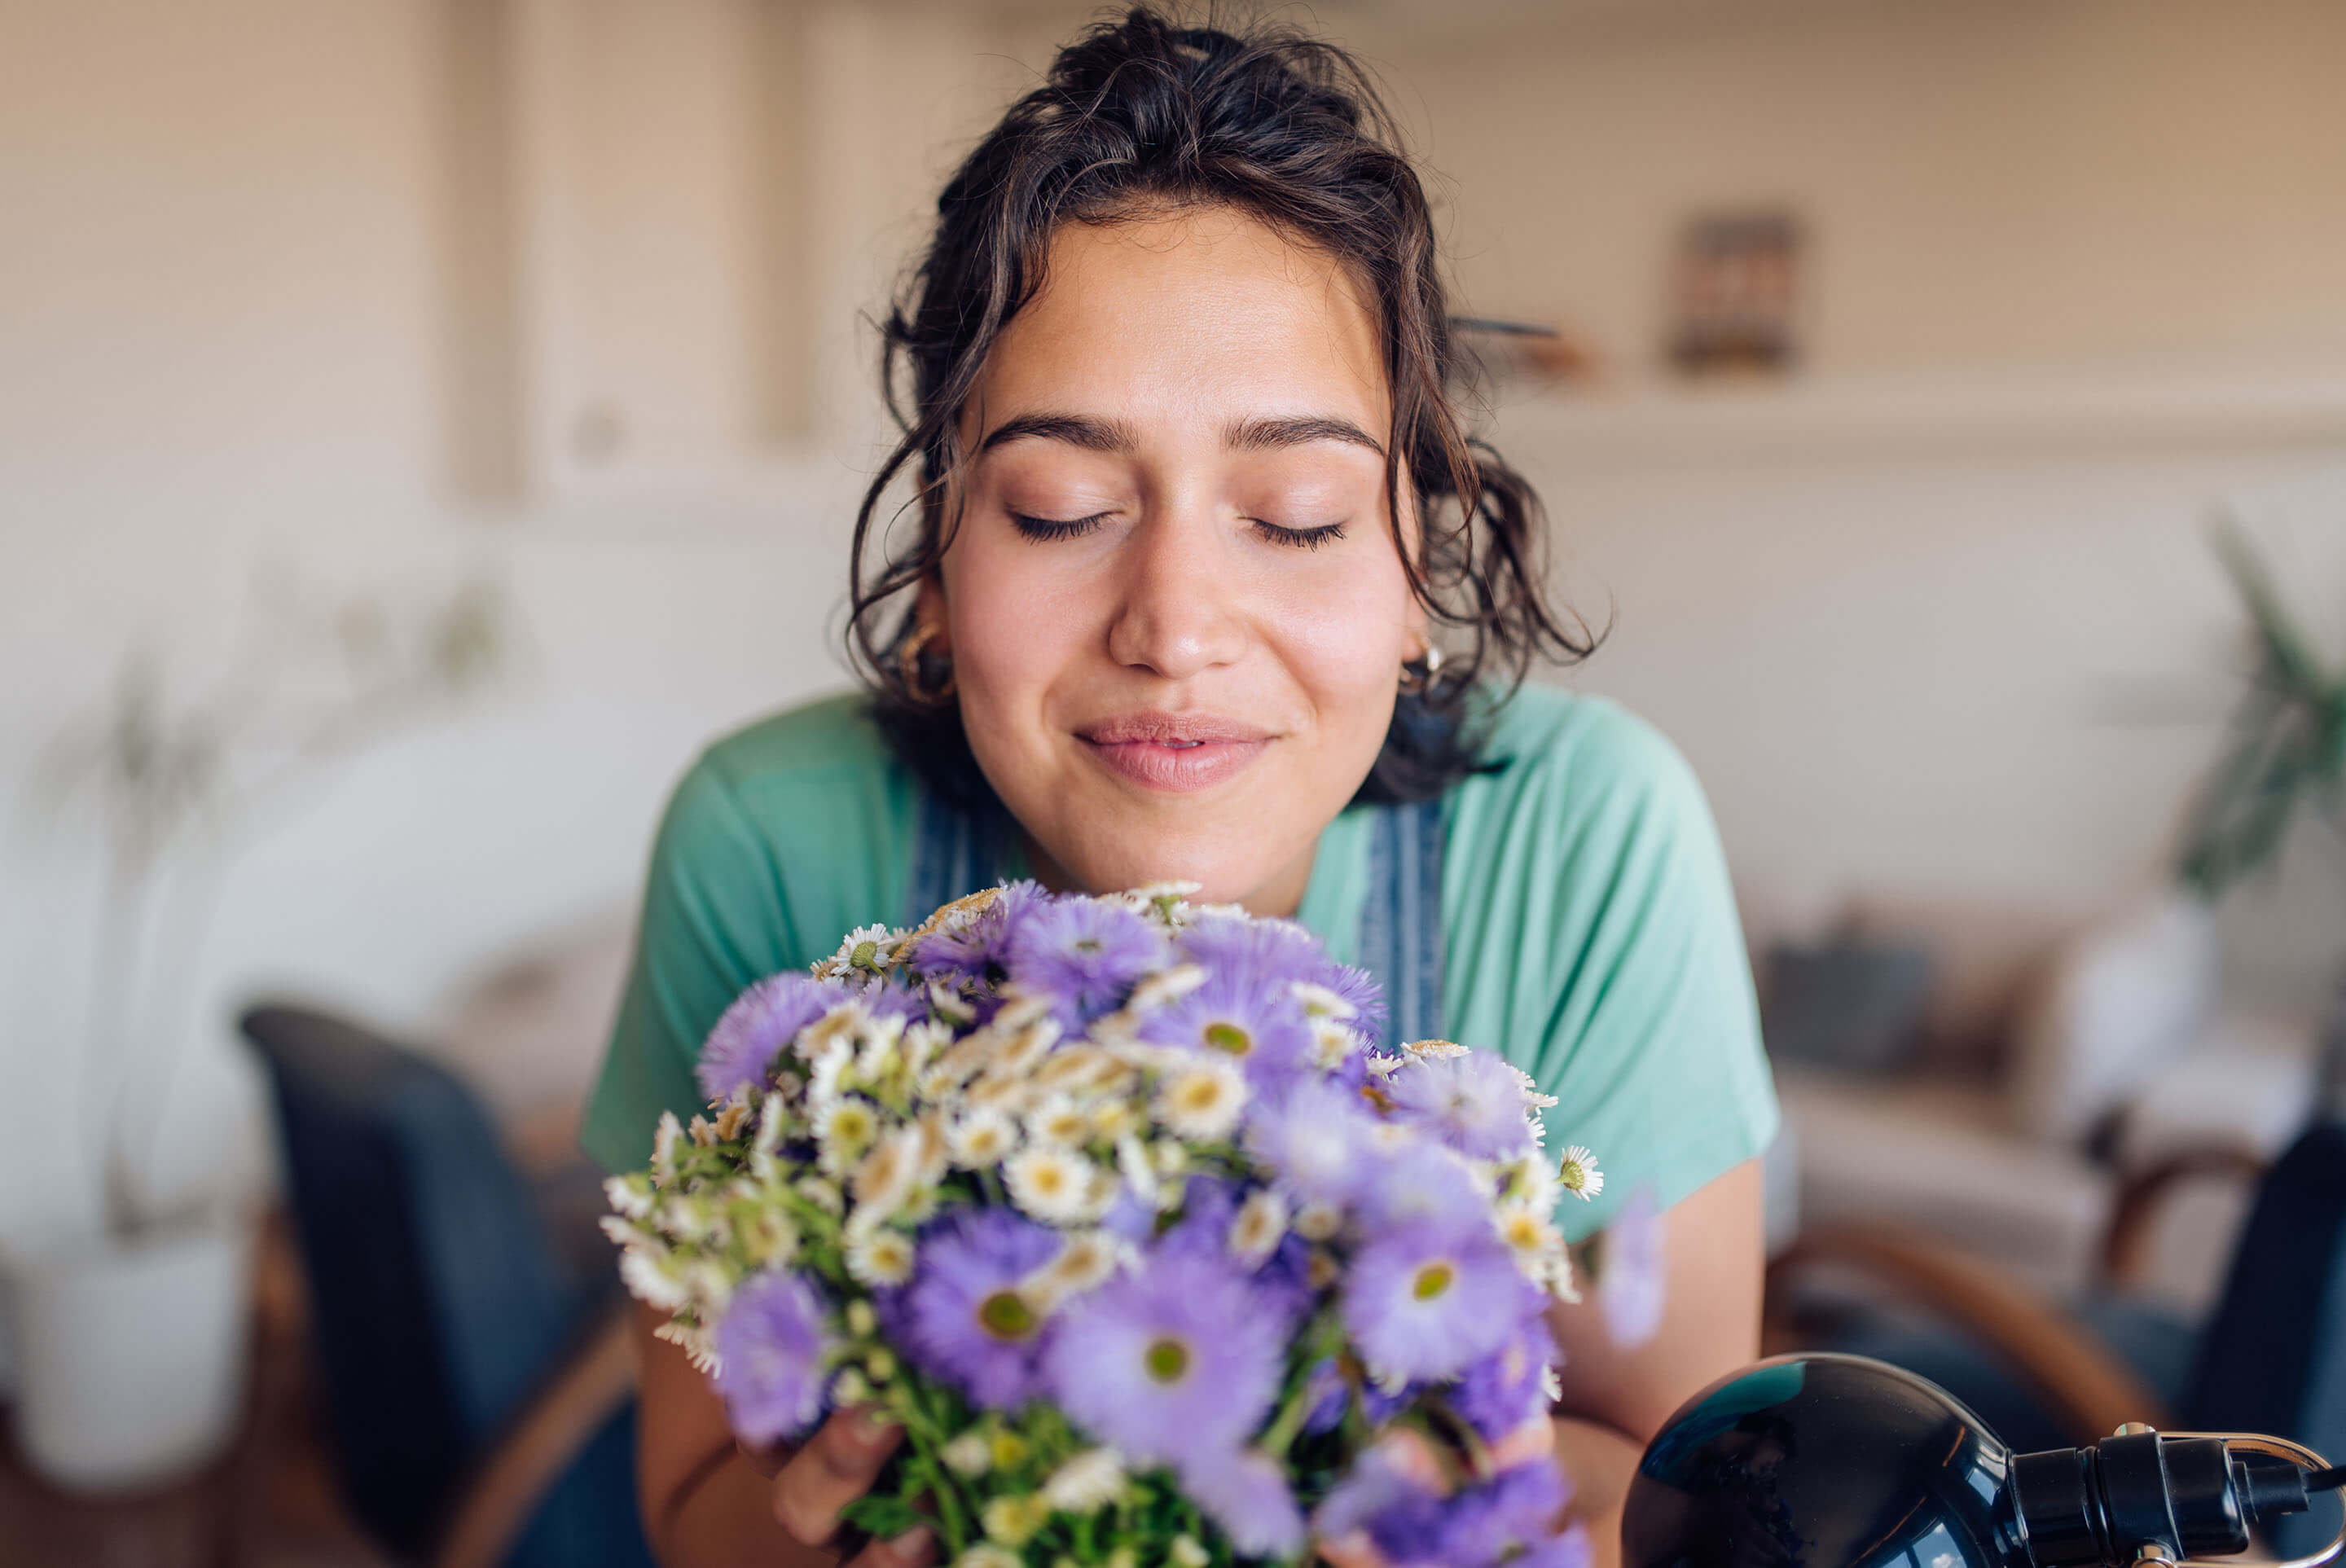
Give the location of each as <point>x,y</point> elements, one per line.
<point>1343,638</point>
<point>1016,623</point>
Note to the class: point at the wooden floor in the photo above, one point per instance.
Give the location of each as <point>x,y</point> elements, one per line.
<point>269,1503</point>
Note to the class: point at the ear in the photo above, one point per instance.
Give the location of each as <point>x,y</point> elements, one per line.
<point>929,610</point>
<point>1417,634</point>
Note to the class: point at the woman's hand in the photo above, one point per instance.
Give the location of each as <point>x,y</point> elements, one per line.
<point>1409,1453</point>
<point>813,1484</point>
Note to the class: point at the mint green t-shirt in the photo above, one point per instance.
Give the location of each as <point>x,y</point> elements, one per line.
<point>1589,932</point>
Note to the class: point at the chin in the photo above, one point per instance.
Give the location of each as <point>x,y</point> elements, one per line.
<point>1225,872</point>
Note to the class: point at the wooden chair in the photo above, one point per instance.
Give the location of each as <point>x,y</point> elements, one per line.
<point>2270,1358</point>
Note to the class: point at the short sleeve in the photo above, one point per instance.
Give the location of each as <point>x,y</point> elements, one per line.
<point>713,922</point>
<point>1603,939</point>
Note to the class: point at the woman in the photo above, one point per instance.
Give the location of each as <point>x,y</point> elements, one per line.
<point>1195,518</point>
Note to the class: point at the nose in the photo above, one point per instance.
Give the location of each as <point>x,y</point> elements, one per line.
<point>1178,612</point>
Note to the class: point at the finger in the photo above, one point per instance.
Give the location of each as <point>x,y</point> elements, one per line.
<point>836,1467</point>
<point>914,1549</point>
<point>1353,1549</point>
<point>766,1462</point>
<point>1413,1458</point>
<point>1535,1439</point>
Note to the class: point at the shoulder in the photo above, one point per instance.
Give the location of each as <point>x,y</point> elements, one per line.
<point>1579,761</point>
<point>810,802</point>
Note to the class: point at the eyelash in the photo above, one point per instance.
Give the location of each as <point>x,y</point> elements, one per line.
<point>1044,530</point>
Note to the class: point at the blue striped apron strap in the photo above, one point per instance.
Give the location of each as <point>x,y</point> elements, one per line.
<point>1400,925</point>
<point>954,853</point>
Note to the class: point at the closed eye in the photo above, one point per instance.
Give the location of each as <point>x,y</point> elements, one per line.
<point>1301,538</point>
<point>1045,529</point>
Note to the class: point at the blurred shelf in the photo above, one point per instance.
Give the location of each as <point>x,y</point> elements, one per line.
<point>1922,416</point>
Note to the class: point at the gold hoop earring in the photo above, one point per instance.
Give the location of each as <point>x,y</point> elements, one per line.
<point>914,664</point>
<point>1420,674</point>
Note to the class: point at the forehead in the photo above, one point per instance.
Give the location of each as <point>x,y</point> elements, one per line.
<point>1192,317</point>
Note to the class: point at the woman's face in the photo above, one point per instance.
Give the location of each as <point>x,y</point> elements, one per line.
<point>1174,606</point>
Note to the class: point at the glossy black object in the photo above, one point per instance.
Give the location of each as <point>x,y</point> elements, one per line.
<point>1838,1462</point>
<point>1822,1461</point>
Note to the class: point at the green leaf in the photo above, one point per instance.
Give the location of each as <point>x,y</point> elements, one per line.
<point>882,1517</point>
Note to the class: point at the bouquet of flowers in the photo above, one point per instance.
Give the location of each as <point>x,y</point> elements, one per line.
<point>1108,1204</point>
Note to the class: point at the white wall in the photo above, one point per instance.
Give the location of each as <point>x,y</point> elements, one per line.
<point>226,296</point>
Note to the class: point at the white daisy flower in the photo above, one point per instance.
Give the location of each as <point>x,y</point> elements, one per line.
<point>1578,1173</point>
<point>880,1257</point>
<point>986,1554</point>
<point>1201,1101</point>
<point>1132,1162</point>
<point>982,1136</point>
<point>695,1342</point>
<point>1059,1121</point>
<point>1319,1002</point>
<point>1086,1260</point>
<point>731,1120</point>
<point>1054,1186</point>
<point>861,1320</point>
<point>1333,1043</point>
<point>1114,1119</point>
<point>1087,1482</point>
<point>1012,1521</point>
<point>1434,1050</point>
<point>770,1238</point>
<point>823,1195</point>
<point>845,1130</point>
<point>868,950</point>
<point>1530,1181</point>
<point>1008,1093</point>
<point>827,1065</point>
<point>885,1178</point>
<point>665,1138</point>
<point>629,1194</point>
<point>1023,1050</point>
<point>651,1278</point>
<point>1185,1552</point>
<point>1385,1067</point>
<point>969,1455</point>
<point>1258,1225</point>
<point>1529,1235</point>
<point>703,1133</point>
<point>1319,1221</point>
<point>1165,987</point>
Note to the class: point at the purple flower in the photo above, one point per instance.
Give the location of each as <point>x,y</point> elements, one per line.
<point>1629,1279</point>
<point>771,1348</point>
<point>1175,1364</point>
<point>961,1317</point>
<point>1473,1102</point>
<point>977,955</point>
<point>1573,1549</point>
<point>1246,1494</point>
<point>761,1022</point>
<point>1475,1527</point>
<point>1359,988</point>
<point>1505,1388</point>
<point>1426,1300</point>
<point>1313,1137</point>
<point>1210,1205</point>
<point>1084,954</point>
<point>1423,1183</point>
<point>1515,1510</point>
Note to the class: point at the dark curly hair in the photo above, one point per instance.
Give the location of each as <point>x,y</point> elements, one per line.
<point>1139,115</point>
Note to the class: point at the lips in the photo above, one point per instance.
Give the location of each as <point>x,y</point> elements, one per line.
<point>1175,752</point>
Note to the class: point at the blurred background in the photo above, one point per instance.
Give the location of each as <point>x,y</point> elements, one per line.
<point>424,424</point>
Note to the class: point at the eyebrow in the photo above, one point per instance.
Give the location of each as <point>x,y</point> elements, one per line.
<point>1119,439</point>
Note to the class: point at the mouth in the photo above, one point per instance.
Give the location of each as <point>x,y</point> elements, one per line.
<point>1175,752</point>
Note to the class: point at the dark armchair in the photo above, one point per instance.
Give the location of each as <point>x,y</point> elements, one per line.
<point>472,1344</point>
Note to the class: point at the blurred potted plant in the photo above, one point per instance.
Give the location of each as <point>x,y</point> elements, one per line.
<point>132,1343</point>
<point>2285,756</point>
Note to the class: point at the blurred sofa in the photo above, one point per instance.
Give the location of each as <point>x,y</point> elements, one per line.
<point>1991,1080</point>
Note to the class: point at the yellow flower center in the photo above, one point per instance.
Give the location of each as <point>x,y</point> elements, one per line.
<point>1229,1038</point>
<point>1166,1361</point>
<point>1432,1280</point>
<point>1005,1315</point>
